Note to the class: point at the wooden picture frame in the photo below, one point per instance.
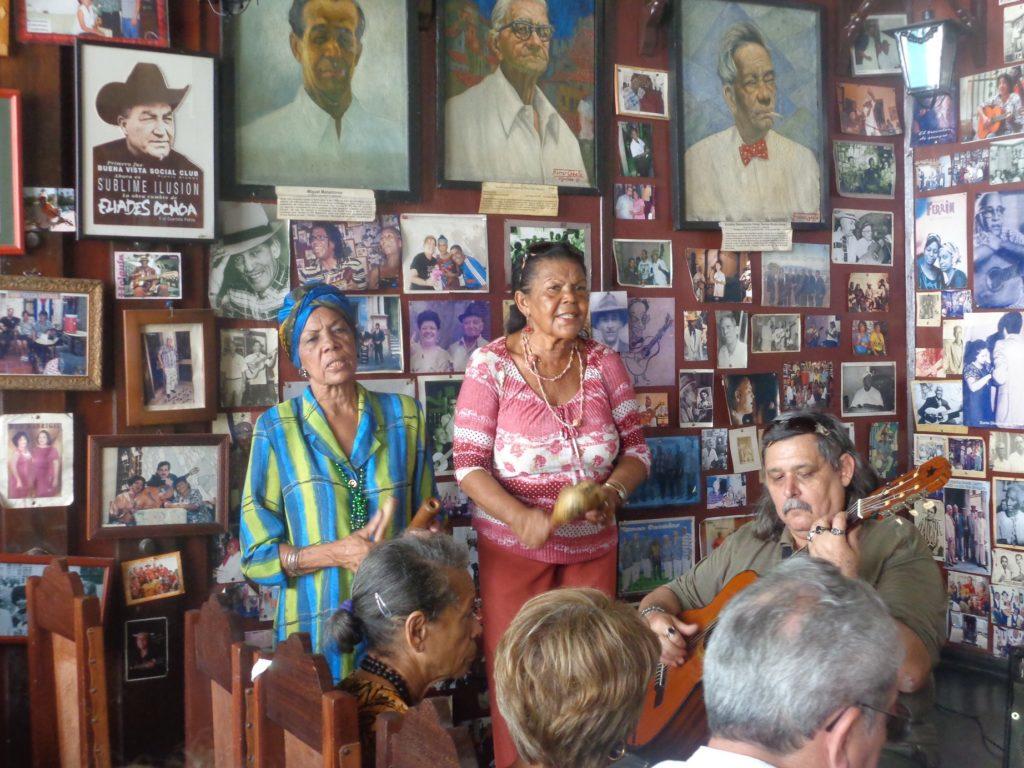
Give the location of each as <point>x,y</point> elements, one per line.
<point>461,71</point>
<point>20,567</point>
<point>148,398</point>
<point>151,28</point>
<point>120,509</point>
<point>263,97</point>
<point>167,565</point>
<point>136,183</point>
<point>57,349</point>
<point>704,127</point>
<point>12,214</point>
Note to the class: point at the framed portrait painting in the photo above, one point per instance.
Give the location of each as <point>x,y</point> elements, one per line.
<point>136,22</point>
<point>51,333</point>
<point>12,233</point>
<point>495,57</point>
<point>300,114</point>
<point>147,151</point>
<point>157,485</point>
<point>170,366</point>
<point>37,460</point>
<point>750,135</point>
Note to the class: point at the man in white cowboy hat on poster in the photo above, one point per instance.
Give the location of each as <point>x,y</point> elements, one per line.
<point>134,173</point>
<point>249,270</point>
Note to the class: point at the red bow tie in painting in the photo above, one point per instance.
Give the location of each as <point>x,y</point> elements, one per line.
<point>749,152</point>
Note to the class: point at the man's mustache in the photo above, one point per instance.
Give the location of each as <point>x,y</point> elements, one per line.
<point>795,503</point>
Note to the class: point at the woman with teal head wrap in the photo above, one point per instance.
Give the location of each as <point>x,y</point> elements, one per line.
<point>331,472</point>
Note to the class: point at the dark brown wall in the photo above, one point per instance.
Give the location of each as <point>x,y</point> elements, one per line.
<point>146,717</point>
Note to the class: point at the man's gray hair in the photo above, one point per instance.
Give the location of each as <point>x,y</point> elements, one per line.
<point>738,35</point>
<point>499,16</point>
<point>795,648</point>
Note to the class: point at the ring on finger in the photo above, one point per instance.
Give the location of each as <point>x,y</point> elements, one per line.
<point>837,531</point>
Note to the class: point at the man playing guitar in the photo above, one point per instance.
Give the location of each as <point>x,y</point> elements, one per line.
<point>813,474</point>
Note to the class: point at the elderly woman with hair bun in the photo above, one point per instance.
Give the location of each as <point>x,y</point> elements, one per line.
<point>583,642</point>
<point>413,604</point>
<point>331,473</point>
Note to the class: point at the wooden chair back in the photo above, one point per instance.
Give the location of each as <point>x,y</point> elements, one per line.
<point>423,736</point>
<point>218,670</point>
<point>67,672</point>
<point>298,718</point>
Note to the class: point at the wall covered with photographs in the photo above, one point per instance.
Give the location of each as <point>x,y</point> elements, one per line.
<point>966,296</point>
<point>717,343</point>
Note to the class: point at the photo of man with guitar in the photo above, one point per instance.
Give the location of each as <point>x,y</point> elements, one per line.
<point>821,499</point>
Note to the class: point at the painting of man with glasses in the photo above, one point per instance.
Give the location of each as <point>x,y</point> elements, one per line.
<point>520,103</point>
<point>752,134</point>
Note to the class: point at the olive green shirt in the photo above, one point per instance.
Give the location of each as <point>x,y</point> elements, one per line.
<point>894,559</point>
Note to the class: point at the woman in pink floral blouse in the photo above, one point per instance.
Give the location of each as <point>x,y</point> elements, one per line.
<point>542,408</point>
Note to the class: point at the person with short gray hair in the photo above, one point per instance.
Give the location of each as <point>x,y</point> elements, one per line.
<point>749,171</point>
<point>413,604</point>
<point>813,476</point>
<point>803,628</point>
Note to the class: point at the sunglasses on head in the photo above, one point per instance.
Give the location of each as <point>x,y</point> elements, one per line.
<point>805,424</point>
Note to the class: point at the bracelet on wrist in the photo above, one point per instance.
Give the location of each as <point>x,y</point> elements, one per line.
<point>653,608</point>
<point>619,488</point>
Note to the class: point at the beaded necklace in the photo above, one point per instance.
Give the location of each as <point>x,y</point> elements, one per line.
<point>377,667</point>
<point>358,514</point>
<point>570,427</point>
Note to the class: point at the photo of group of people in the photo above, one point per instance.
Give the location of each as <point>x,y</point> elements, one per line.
<point>970,167</point>
<point>714,449</point>
<point>806,385</point>
<point>931,173</point>
<point>14,578</point>
<point>152,578</point>
<point>868,110</point>
<point>444,334</point>
<point>967,525</point>
<point>643,263</point>
<point>869,338</point>
<point>867,292</point>
<point>775,333</point>
<point>797,278</point>
<point>675,473</point>
<point>1006,161</point>
<point>653,552</point>
<point>444,252</point>
<point>160,485</point>
<point>865,170</point>
<point>720,275</point>
<point>861,237</point>
<point>967,456</point>
<point>248,367</point>
<point>725,491</point>
<point>520,235</point>
<point>353,256</point>
<point>43,333</point>
<point>634,202</point>
<point>822,331</point>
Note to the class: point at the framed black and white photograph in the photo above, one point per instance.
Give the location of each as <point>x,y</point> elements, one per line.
<point>752,398</point>
<point>636,149</point>
<point>492,58</point>
<point>696,398</point>
<point>444,252</point>
<point>1007,567</point>
<point>714,449</point>
<point>157,485</point>
<point>145,649</point>
<point>743,445</point>
<point>147,150</point>
<point>720,276</point>
<point>1006,451</point>
<point>865,170</point>
<point>929,309</point>
<point>732,339</point>
<point>695,336</point>
<point>520,234</point>
<point>675,473</point>
<point>868,389</point>
<point>170,366</point>
<point>862,237</point>
<point>51,333</point>
<point>796,278</point>
<point>932,173</point>
<point>354,256</point>
<point>147,275</point>
<point>438,394</point>
<point>15,570</point>
<point>993,359</point>
<point>250,264</point>
<point>641,92</point>
<point>873,51</point>
<point>1008,510</point>
<point>750,132</point>
<point>653,552</point>
<point>806,385</point>
<point>444,333</point>
<point>775,333</point>
<point>37,460</point>
<point>967,503</point>
<point>643,263</point>
<point>302,113</point>
<point>248,367</point>
<point>938,406</point>
<point>650,359</point>
<point>953,346</point>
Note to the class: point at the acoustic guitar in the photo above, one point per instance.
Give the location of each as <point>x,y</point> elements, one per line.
<point>673,722</point>
<point>990,121</point>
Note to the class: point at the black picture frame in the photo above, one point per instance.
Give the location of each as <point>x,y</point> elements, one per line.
<point>599,169</point>
<point>210,183</point>
<point>229,46</point>
<point>681,95</point>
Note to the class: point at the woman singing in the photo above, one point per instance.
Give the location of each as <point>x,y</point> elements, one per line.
<point>541,409</point>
